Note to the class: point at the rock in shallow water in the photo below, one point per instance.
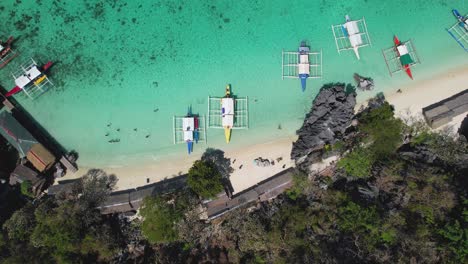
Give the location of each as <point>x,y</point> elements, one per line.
<point>331,114</point>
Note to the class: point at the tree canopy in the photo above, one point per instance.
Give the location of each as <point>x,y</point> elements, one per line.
<point>204,179</point>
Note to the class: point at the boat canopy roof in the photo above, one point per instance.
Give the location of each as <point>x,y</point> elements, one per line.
<point>188,123</point>
<point>303,68</point>
<point>188,135</point>
<point>406,59</point>
<point>352,27</point>
<point>402,50</point>
<point>355,40</point>
<point>304,58</point>
<point>227,105</point>
<point>29,75</point>
<point>227,112</point>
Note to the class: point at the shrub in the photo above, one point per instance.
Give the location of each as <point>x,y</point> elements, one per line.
<point>358,163</point>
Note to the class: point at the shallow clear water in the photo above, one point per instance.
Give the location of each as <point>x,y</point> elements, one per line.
<point>118,61</point>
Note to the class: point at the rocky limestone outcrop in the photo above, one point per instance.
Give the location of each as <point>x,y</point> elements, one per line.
<point>331,113</point>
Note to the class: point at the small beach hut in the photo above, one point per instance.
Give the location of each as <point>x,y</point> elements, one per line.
<point>301,64</point>
<point>189,129</point>
<point>351,35</point>
<point>459,31</point>
<point>26,145</point>
<point>6,52</point>
<point>31,79</point>
<point>402,56</point>
<point>228,113</point>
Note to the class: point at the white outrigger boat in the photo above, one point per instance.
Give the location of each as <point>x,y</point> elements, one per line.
<point>228,113</point>
<point>352,34</point>
<point>189,129</point>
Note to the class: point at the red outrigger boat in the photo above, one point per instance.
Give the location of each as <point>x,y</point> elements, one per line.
<point>404,56</point>
<point>30,76</point>
<point>6,53</point>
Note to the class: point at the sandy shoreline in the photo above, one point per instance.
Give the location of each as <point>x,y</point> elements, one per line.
<point>414,96</point>
<point>242,178</point>
<point>419,94</point>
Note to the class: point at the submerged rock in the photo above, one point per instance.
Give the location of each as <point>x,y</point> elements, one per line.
<point>331,113</point>
<point>363,83</point>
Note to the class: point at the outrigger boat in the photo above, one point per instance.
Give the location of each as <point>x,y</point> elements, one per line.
<point>459,30</point>
<point>6,52</point>
<point>227,113</point>
<point>30,79</point>
<point>302,64</point>
<point>404,56</point>
<point>189,129</point>
<point>191,132</point>
<point>463,21</point>
<point>351,35</point>
<point>351,30</point>
<point>401,57</point>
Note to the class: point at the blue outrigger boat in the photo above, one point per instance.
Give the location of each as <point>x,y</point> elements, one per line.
<point>463,21</point>
<point>191,130</point>
<point>459,31</point>
<point>304,69</point>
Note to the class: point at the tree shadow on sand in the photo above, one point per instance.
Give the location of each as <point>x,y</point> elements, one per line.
<point>222,164</point>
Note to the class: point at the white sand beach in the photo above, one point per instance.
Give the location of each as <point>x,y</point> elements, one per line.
<point>421,93</point>
<point>414,96</point>
<point>242,177</point>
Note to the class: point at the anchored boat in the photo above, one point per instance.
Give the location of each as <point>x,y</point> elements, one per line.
<point>227,113</point>
<point>302,64</point>
<point>189,129</point>
<point>401,57</point>
<point>404,56</point>
<point>351,30</point>
<point>462,21</point>
<point>31,79</point>
<point>6,52</point>
<point>459,30</point>
<point>351,35</point>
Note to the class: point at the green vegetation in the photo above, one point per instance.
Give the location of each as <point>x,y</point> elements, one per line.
<point>159,220</point>
<point>204,179</point>
<point>63,231</point>
<point>386,204</point>
<point>300,182</point>
<point>25,188</point>
<point>383,129</point>
<point>358,163</point>
<point>382,136</point>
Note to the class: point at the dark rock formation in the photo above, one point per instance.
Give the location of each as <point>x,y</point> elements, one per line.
<point>420,155</point>
<point>331,114</point>
<point>463,130</point>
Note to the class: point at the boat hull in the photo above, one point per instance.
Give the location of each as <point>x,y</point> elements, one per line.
<point>406,67</point>
<point>227,134</point>
<point>189,147</point>
<point>356,51</point>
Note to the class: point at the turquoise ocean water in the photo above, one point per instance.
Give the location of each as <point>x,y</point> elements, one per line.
<point>119,61</point>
